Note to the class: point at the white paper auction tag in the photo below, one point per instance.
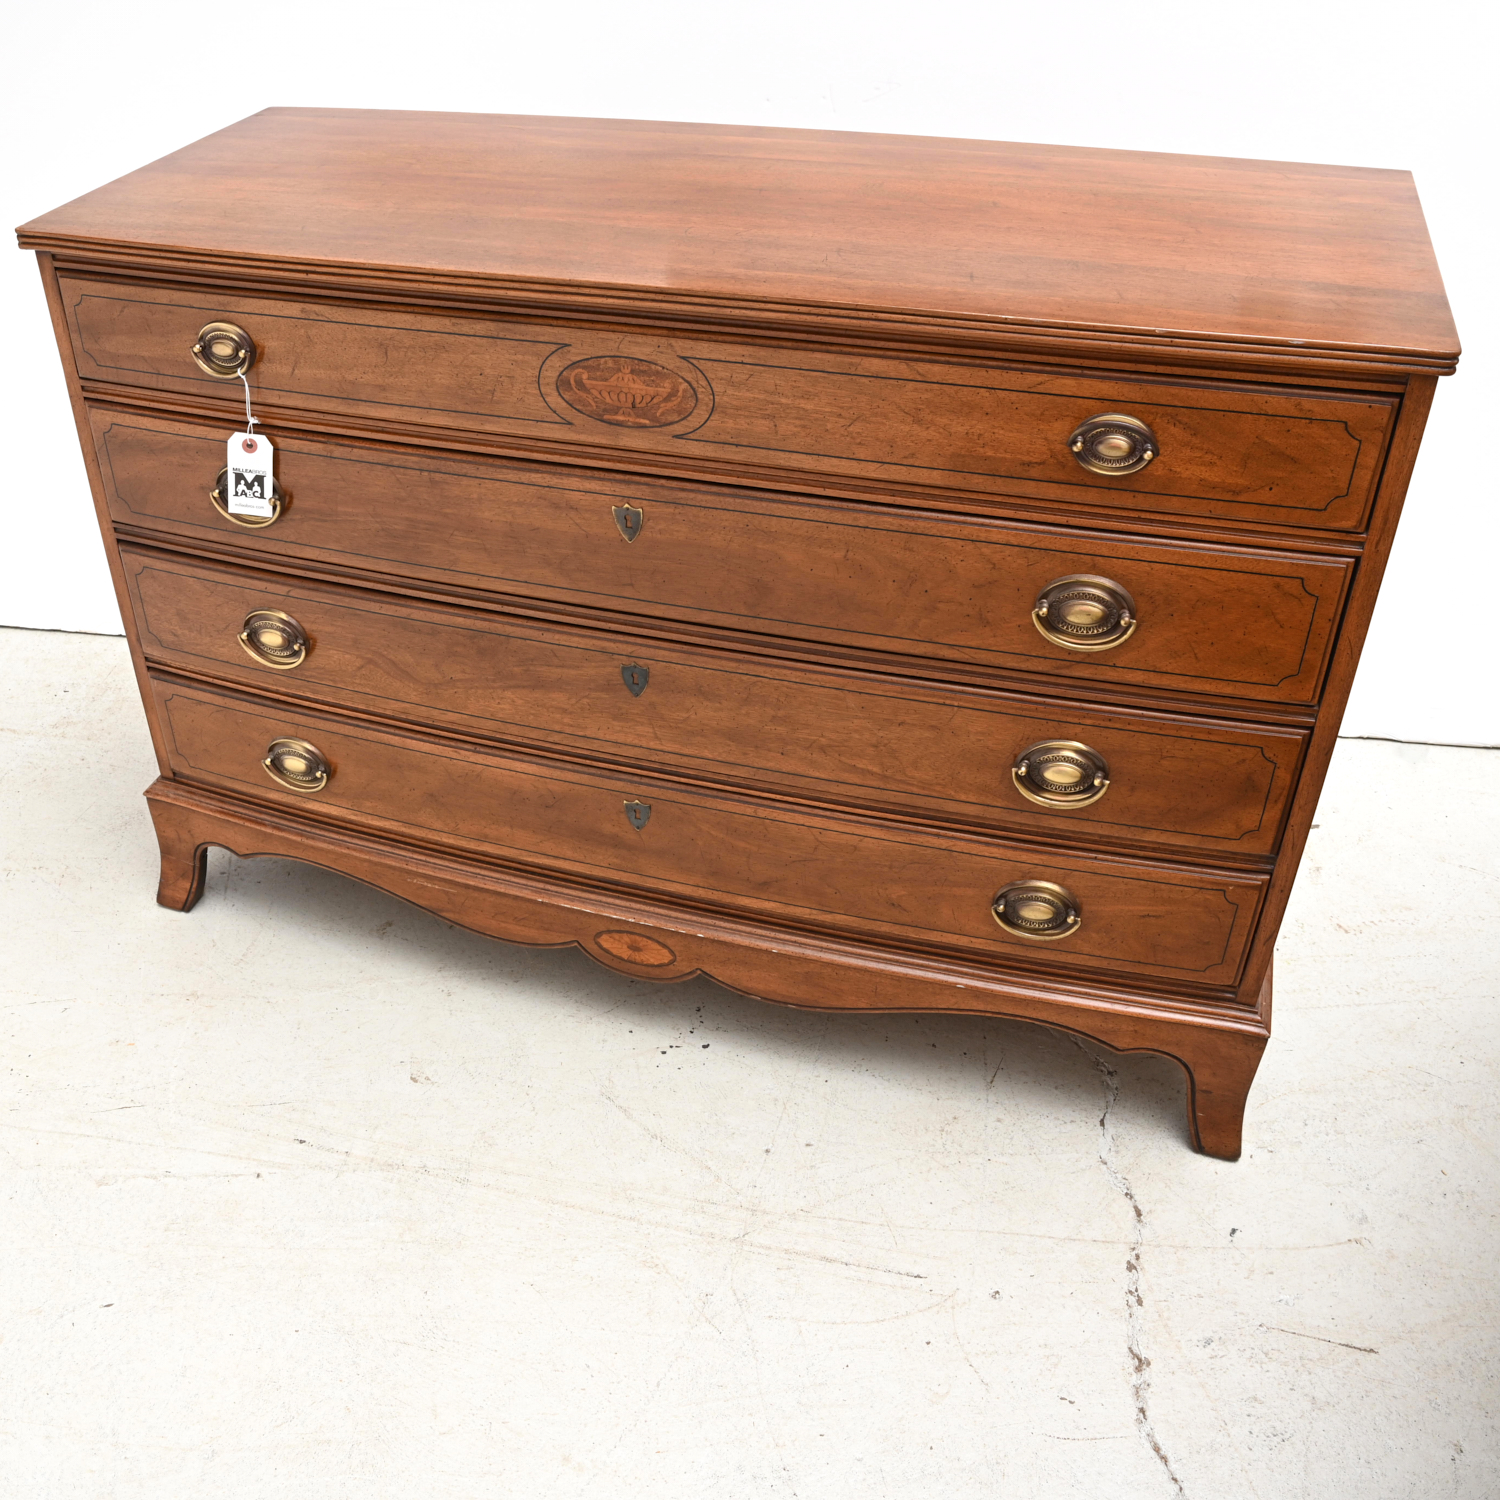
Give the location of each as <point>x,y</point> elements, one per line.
<point>249,484</point>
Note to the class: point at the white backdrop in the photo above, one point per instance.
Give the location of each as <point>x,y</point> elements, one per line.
<point>94,90</point>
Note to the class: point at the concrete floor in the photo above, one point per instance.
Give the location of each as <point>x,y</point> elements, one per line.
<point>310,1194</point>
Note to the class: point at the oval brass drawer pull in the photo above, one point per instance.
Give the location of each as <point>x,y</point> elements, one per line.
<point>278,502</point>
<point>1113,444</point>
<point>274,639</point>
<point>1037,909</point>
<point>223,350</point>
<point>1061,773</point>
<point>1085,613</point>
<point>296,765</point>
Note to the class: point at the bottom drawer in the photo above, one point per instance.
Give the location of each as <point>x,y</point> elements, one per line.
<point>749,855</point>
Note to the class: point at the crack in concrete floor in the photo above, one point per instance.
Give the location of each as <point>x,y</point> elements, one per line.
<point>1140,1365</point>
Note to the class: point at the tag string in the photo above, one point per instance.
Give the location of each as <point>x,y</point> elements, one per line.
<point>249,417</point>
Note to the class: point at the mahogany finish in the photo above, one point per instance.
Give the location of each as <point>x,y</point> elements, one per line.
<point>665,511</point>
<point>1272,457</point>
<point>1289,258</point>
<point>884,580</point>
<point>730,853</point>
<point>829,736</point>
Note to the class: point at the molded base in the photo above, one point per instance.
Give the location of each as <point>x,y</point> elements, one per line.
<point>634,935</point>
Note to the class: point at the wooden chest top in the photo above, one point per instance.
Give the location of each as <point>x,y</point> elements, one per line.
<point>1140,252</point>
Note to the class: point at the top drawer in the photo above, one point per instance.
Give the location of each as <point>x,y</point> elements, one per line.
<point>1262,457</point>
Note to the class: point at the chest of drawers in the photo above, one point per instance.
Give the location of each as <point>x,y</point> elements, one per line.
<point>878,573</point>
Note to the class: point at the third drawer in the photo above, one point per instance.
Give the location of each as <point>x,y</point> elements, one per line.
<point>861,739</point>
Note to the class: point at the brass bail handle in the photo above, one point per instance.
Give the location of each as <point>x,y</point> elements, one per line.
<point>1037,909</point>
<point>274,639</point>
<point>254,523</point>
<point>223,350</point>
<point>1113,443</point>
<point>1085,612</point>
<point>1061,773</point>
<point>296,765</point>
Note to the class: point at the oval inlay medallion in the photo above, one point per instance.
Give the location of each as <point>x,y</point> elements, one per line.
<point>636,948</point>
<point>626,392</point>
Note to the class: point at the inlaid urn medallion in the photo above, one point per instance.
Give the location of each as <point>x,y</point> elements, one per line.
<point>626,392</point>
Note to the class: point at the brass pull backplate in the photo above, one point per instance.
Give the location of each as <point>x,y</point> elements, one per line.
<point>1085,613</point>
<point>1113,443</point>
<point>223,350</point>
<point>1061,773</point>
<point>1037,909</point>
<point>296,765</point>
<point>278,503</point>
<point>274,639</point>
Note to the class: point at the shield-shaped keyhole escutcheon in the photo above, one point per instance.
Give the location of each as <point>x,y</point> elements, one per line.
<point>639,814</point>
<point>629,519</point>
<point>636,677</point>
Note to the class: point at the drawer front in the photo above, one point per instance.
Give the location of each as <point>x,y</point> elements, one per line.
<point>1263,456</point>
<point>620,829</point>
<point>1227,622</point>
<point>858,739</point>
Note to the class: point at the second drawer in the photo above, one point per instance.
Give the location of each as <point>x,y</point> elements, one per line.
<point>1215,621</point>
<point>850,738</point>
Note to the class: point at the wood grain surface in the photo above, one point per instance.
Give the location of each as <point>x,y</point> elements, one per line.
<point>1205,250</point>
<point>1273,458</point>
<point>667,504</point>
<point>858,739</point>
<point>798,868</point>
<point>1235,623</point>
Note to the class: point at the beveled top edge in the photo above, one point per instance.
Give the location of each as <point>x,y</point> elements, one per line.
<point>1285,258</point>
